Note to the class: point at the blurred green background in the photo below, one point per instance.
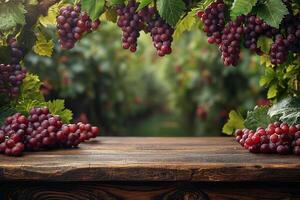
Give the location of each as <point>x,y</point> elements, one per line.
<point>187,93</point>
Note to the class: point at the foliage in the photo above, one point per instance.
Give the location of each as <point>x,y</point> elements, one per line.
<point>12,14</point>
<point>241,7</point>
<point>288,110</point>
<point>235,121</point>
<point>57,107</point>
<point>259,118</point>
<point>272,12</point>
<point>30,97</point>
<point>93,7</point>
<point>170,10</point>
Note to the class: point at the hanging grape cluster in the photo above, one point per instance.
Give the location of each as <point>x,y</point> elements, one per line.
<point>12,74</point>
<point>132,21</point>
<point>249,29</point>
<point>72,24</point>
<point>40,131</point>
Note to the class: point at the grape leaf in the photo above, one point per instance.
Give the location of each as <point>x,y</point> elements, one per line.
<point>259,118</point>
<point>11,14</point>
<point>272,92</point>
<point>109,15</point>
<point>144,3</point>
<point>287,109</point>
<point>57,107</point>
<point>272,12</point>
<point>94,8</point>
<point>267,77</point>
<point>241,7</point>
<point>43,47</point>
<point>170,10</point>
<point>235,121</point>
<point>264,43</point>
<point>115,2</point>
<point>30,95</point>
<point>185,24</point>
<point>50,19</point>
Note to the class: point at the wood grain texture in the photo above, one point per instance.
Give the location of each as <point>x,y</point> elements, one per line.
<point>152,159</point>
<point>148,191</point>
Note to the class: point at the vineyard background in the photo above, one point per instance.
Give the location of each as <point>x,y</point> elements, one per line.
<point>186,93</point>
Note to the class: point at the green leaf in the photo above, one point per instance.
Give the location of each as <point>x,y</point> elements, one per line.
<point>144,3</point>
<point>50,19</point>
<point>288,110</point>
<point>94,8</point>
<point>264,43</point>
<point>115,2</point>
<point>30,88</point>
<point>109,15</point>
<point>11,15</point>
<point>185,24</point>
<point>259,118</point>
<point>170,10</point>
<point>241,7</point>
<point>235,121</point>
<point>57,107</point>
<point>30,95</point>
<point>269,76</point>
<point>43,47</point>
<point>272,12</point>
<point>272,92</point>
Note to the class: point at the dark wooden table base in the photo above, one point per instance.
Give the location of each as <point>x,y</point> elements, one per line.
<point>148,191</point>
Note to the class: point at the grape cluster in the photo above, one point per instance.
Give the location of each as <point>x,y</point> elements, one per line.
<point>12,75</point>
<point>40,131</point>
<point>161,33</point>
<point>292,24</point>
<point>286,38</point>
<point>231,41</point>
<point>72,23</point>
<point>254,28</point>
<point>16,51</point>
<point>279,50</point>
<point>12,134</point>
<point>214,22</point>
<point>130,23</point>
<point>277,138</point>
<point>72,134</point>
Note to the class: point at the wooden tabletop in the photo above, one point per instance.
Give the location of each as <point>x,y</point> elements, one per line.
<point>152,159</point>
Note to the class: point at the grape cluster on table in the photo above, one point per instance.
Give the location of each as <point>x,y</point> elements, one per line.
<point>277,138</point>
<point>249,29</point>
<point>41,131</point>
<point>12,74</point>
<point>72,24</point>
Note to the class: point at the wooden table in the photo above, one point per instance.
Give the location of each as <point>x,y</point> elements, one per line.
<point>116,168</point>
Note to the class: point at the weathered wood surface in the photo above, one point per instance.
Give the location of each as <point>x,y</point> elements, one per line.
<point>149,191</point>
<point>152,159</point>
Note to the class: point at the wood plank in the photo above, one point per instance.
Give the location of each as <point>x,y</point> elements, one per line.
<point>151,159</point>
<point>148,191</point>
